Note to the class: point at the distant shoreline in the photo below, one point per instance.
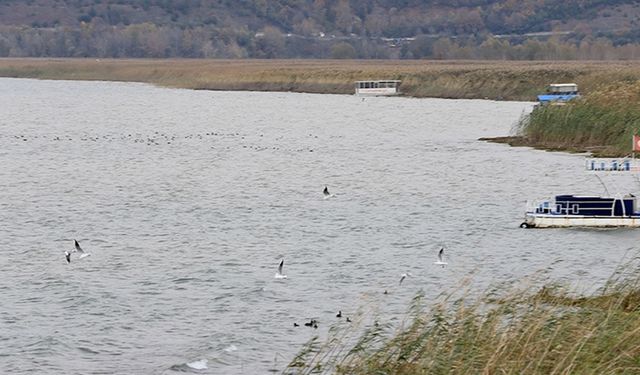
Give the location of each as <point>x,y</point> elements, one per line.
<point>494,80</point>
<point>605,133</point>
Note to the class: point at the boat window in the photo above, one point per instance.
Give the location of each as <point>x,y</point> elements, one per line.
<point>558,208</point>
<point>574,208</point>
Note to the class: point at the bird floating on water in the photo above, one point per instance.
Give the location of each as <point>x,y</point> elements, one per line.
<point>339,314</point>
<point>279,274</point>
<point>441,261</point>
<point>312,323</point>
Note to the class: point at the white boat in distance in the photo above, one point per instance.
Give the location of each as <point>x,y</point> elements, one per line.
<point>583,211</point>
<point>377,88</point>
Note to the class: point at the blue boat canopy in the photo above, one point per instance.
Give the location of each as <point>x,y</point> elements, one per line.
<point>546,98</point>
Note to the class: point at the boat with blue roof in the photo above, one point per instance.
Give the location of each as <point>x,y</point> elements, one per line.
<point>559,94</point>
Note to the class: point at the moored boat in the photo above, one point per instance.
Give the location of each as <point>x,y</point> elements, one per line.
<point>583,211</point>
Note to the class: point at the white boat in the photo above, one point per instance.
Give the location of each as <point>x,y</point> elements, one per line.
<point>583,211</point>
<point>377,88</point>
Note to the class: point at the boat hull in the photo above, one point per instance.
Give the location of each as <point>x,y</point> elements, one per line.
<point>565,221</point>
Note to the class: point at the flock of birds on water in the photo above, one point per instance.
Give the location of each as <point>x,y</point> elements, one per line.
<point>280,272</point>
<point>160,138</point>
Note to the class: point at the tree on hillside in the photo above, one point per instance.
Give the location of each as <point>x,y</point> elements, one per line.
<point>343,50</point>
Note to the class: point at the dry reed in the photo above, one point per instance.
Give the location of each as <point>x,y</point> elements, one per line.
<point>545,331</point>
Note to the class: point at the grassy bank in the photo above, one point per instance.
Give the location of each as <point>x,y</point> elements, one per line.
<point>602,122</point>
<point>543,331</point>
<point>505,80</point>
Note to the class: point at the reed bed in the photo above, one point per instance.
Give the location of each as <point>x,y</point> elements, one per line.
<point>548,330</point>
<point>502,80</point>
<point>602,122</point>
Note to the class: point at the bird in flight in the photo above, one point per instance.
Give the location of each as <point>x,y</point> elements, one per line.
<point>404,276</point>
<point>279,274</point>
<point>78,249</point>
<point>441,261</point>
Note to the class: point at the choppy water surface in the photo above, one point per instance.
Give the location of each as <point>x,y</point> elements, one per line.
<point>187,201</point>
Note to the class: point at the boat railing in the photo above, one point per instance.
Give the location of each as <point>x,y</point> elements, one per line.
<point>604,207</point>
<point>612,165</point>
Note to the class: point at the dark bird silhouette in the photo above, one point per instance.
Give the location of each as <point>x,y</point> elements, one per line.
<point>339,314</point>
<point>280,274</point>
<point>441,261</point>
<point>326,191</point>
<point>79,250</point>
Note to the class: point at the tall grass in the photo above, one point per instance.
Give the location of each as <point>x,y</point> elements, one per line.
<point>603,121</point>
<point>549,330</point>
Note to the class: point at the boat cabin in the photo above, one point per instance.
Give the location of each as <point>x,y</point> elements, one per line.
<point>589,206</point>
<point>377,88</point>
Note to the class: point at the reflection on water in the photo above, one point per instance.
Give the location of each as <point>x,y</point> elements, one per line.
<point>188,200</point>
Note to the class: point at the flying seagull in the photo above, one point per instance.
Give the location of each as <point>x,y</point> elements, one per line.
<point>441,261</point>
<point>279,274</point>
<point>404,276</point>
<point>78,249</point>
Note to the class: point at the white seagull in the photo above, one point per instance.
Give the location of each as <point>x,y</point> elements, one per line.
<point>404,276</point>
<point>279,274</point>
<point>441,261</point>
<point>78,249</point>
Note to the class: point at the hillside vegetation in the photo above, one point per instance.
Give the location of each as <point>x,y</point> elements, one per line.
<point>460,29</point>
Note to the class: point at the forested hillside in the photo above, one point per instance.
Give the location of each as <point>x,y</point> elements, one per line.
<point>464,29</point>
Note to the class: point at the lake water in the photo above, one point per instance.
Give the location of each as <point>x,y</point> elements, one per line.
<point>188,200</point>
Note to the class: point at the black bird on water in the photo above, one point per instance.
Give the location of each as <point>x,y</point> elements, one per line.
<point>312,323</point>
<point>326,191</point>
<point>339,314</point>
<point>296,324</point>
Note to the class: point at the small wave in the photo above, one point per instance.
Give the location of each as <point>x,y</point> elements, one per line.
<point>230,348</point>
<point>200,364</point>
